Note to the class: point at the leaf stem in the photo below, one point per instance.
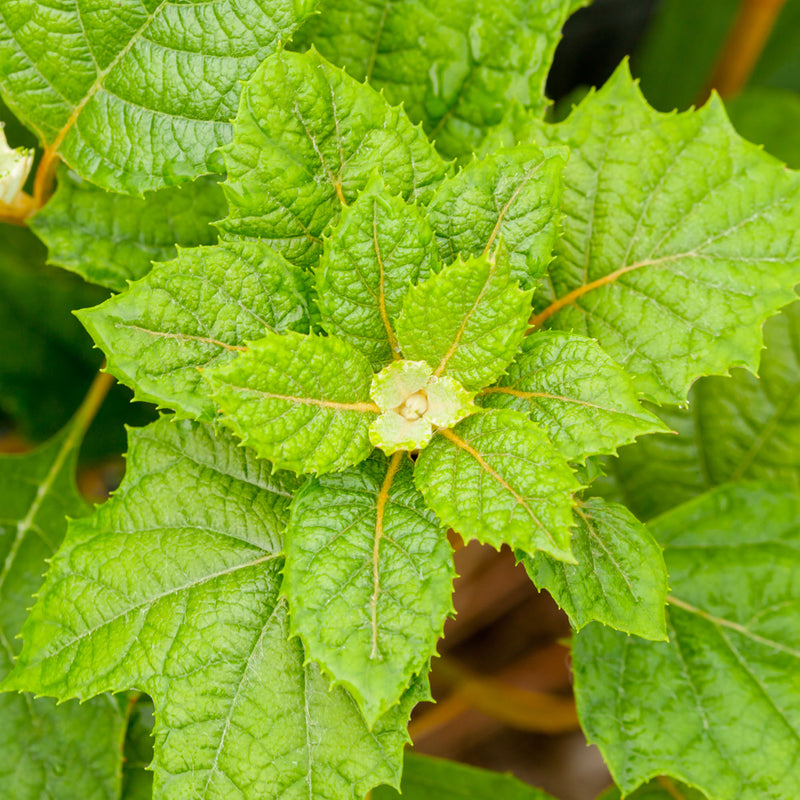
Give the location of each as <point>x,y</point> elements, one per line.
<point>742,48</point>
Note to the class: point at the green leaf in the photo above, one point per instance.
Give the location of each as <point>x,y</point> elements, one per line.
<point>619,578</point>
<point>137,97</point>
<point>455,64</point>
<point>300,401</point>
<point>718,705</point>
<point>111,239</point>
<point>496,478</point>
<point>736,428</point>
<point>368,577</point>
<point>680,239</point>
<point>511,196</point>
<point>770,117</point>
<point>584,401</point>
<point>467,321</point>
<point>379,248</point>
<point>662,788</point>
<point>172,588</point>
<point>308,138</point>
<point>46,748</point>
<point>426,778</point>
<point>194,312</point>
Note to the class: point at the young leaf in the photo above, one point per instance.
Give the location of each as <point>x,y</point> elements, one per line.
<point>379,248</point>
<point>455,64</point>
<point>718,705</point>
<point>736,428</point>
<point>172,587</point>
<point>467,321</point>
<point>111,239</point>
<point>308,138</point>
<point>511,196</point>
<point>426,778</point>
<point>680,239</point>
<point>137,97</point>
<point>45,748</point>
<point>193,312</point>
<point>300,401</point>
<point>574,391</point>
<point>368,577</point>
<point>619,578</point>
<point>496,478</point>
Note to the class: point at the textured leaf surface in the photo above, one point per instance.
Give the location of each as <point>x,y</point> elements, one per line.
<point>195,312</point>
<point>467,321</point>
<point>172,588</point>
<point>718,705</point>
<point>584,401</point>
<point>300,401</point>
<point>511,196</point>
<point>680,239</point>
<point>69,751</point>
<point>454,64</point>
<point>426,778</point>
<point>379,248</point>
<point>137,96</point>
<point>619,579</point>
<point>497,478</point>
<point>736,428</point>
<point>308,139</point>
<point>368,578</point>
<point>111,239</point>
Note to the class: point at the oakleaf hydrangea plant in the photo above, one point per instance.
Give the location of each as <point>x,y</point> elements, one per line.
<point>380,304</point>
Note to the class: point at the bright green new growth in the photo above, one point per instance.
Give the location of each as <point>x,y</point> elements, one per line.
<point>467,321</point>
<point>412,401</point>
<point>179,576</point>
<point>511,196</point>
<point>575,392</point>
<point>688,707</point>
<point>45,748</point>
<point>368,578</point>
<point>496,478</point>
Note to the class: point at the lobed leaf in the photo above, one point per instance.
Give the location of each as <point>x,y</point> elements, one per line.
<point>568,386</point>
<point>455,65</point>
<point>379,247</point>
<point>368,577</point>
<point>192,313</point>
<point>308,138</point>
<point>619,578</point>
<point>172,587</point>
<point>511,196</point>
<point>680,239</point>
<point>111,239</point>
<point>300,401</point>
<point>467,321</point>
<point>496,478</point>
<point>137,96</point>
<point>46,749</point>
<point>717,706</point>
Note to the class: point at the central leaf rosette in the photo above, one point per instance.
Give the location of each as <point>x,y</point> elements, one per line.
<point>413,403</point>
